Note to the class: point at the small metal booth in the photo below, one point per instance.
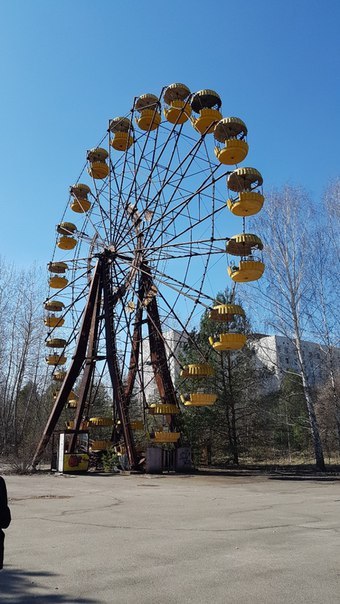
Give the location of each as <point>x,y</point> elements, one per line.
<point>160,460</point>
<point>63,460</point>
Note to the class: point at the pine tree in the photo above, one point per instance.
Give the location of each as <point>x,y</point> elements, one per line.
<point>223,429</point>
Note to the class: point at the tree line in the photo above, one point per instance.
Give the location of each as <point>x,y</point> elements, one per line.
<point>23,373</point>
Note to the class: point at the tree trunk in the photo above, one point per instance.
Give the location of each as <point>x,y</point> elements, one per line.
<point>234,442</point>
<point>226,401</point>
<point>317,444</point>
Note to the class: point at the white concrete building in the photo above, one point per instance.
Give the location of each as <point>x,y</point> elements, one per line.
<point>173,342</point>
<point>278,354</point>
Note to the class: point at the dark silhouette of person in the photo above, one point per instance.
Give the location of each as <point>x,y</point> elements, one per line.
<point>5,517</point>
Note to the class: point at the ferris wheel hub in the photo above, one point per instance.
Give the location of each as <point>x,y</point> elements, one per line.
<point>112,249</point>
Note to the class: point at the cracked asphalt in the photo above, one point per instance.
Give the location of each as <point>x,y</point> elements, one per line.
<point>171,539</point>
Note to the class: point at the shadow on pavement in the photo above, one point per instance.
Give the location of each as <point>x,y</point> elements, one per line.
<point>274,473</point>
<point>23,587</point>
<point>317,477</point>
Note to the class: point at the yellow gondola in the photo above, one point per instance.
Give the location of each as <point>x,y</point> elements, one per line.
<point>207,104</point>
<point>232,132</point>
<point>72,400</point>
<point>228,341</point>
<point>178,107</point>
<point>57,267</point>
<point>163,409</point>
<point>80,202</point>
<point>57,282</point>
<point>56,343</point>
<point>101,421</point>
<point>55,359</point>
<point>66,228</point>
<point>197,370</point>
<point>54,305</point>
<point>226,312</point>
<point>247,270</point>
<point>100,445</point>
<point>243,244</point>
<point>247,203</point>
<point>244,179</point>
<point>66,243</point>
<point>122,131</point>
<point>135,424</point>
<point>98,167</point>
<point>84,425</point>
<point>59,376</point>
<point>147,106</point>
<point>53,321</point>
<point>166,437</point>
<point>198,399</point>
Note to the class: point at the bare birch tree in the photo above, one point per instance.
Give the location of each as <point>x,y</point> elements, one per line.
<point>285,227</point>
<point>22,369</point>
<point>324,315</point>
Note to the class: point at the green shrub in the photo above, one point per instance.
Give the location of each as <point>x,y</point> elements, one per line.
<point>109,460</point>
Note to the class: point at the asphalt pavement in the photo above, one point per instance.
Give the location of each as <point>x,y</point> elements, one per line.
<point>137,539</point>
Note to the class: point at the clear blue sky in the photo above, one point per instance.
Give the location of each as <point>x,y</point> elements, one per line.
<point>67,66</point>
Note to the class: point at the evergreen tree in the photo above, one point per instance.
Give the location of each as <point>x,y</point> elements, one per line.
<point>223,429</point>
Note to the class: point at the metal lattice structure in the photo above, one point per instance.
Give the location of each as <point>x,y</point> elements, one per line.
<point>147,254</point>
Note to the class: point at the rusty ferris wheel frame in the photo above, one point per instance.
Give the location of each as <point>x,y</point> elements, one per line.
<point>158,205</point>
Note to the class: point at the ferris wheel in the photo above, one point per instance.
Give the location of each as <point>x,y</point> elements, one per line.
<point>140,252</point>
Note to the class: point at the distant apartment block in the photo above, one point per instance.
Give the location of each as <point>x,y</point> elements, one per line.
<point>276,353</point>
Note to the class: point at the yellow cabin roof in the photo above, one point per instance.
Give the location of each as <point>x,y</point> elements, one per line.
<point>226,312</point>
<point>229,127</point>
<point>243,244</point>
<point>243,179</point>
<point>197,370</point>
<point>176,92</point>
